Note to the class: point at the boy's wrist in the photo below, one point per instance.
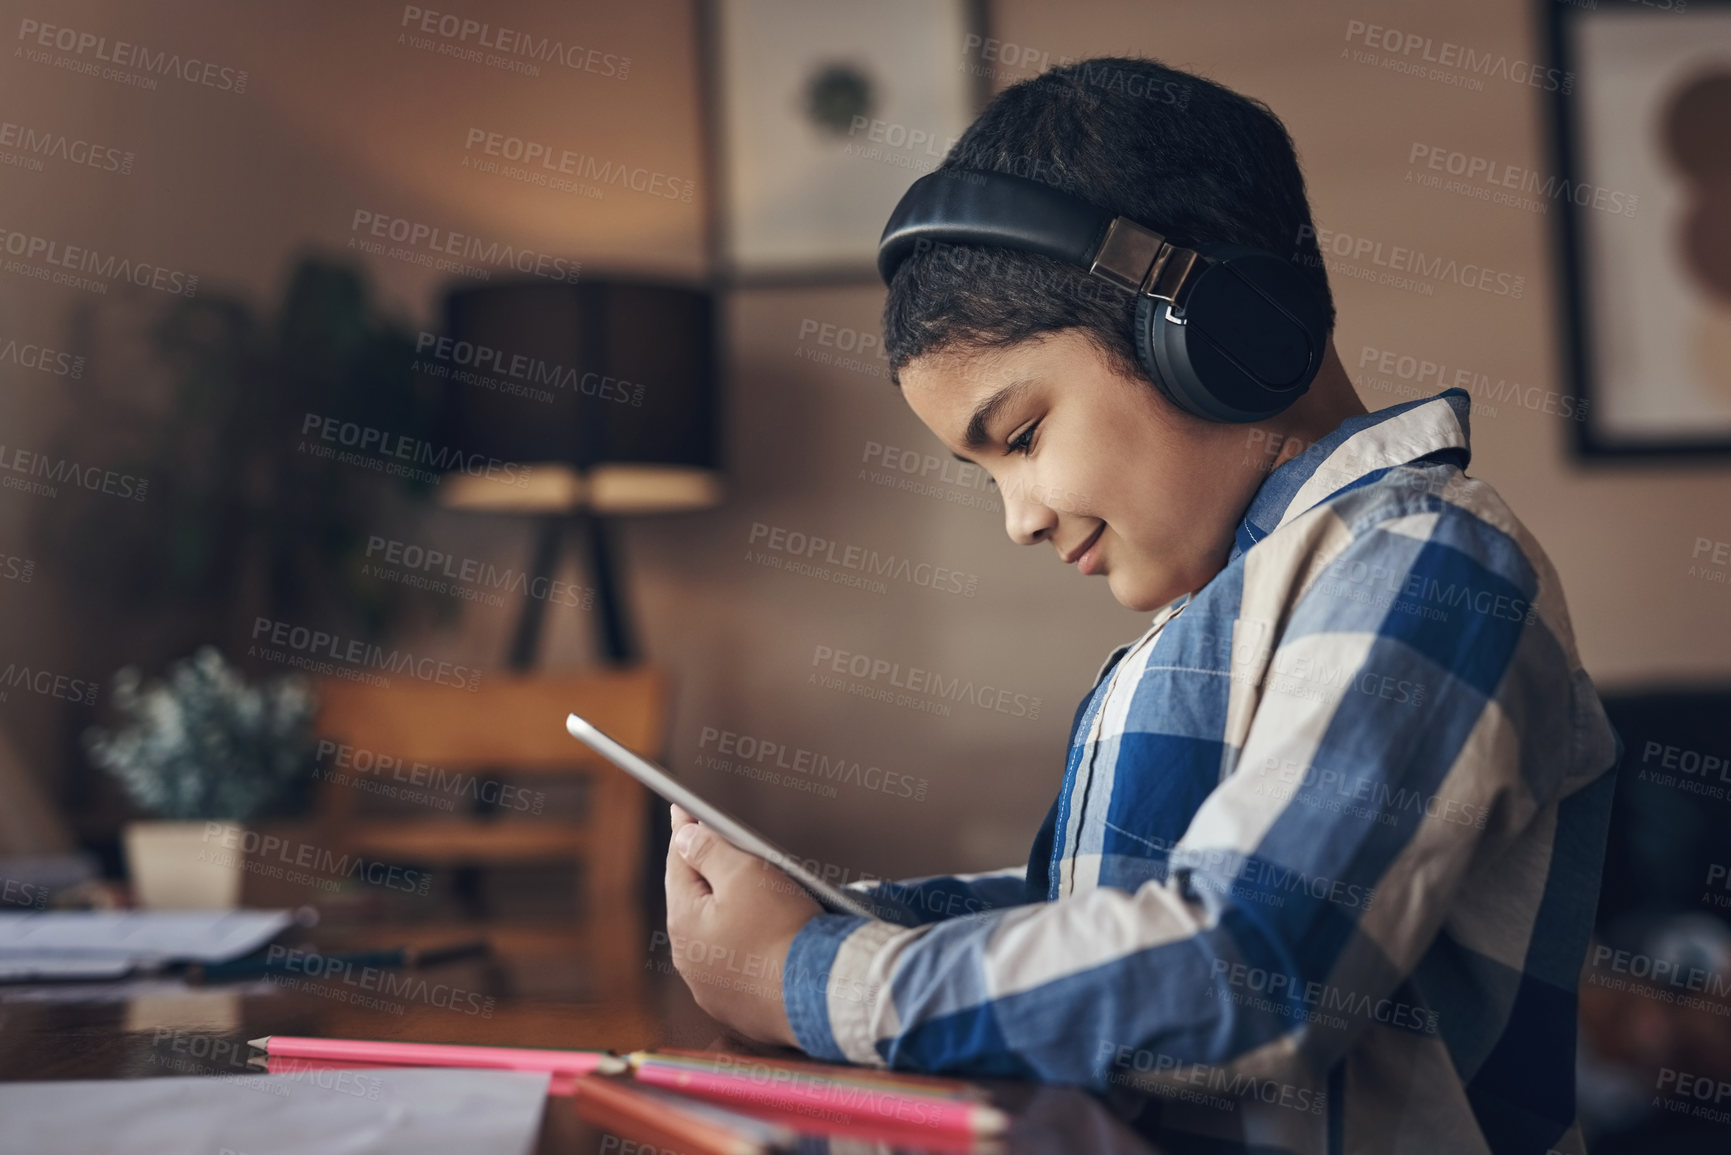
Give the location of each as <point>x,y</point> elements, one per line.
<point>806,982</point>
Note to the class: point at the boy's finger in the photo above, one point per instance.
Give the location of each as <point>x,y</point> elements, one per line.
<point>708,853</point>
<point>683,881</point>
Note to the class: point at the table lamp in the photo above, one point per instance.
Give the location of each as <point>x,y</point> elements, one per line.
<point>601,396</point>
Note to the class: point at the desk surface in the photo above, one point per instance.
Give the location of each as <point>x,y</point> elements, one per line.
<point>161,1028</point>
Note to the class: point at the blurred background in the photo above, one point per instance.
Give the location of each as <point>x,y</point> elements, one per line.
<point>469,363</point>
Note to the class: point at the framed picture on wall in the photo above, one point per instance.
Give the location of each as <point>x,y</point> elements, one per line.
<point>822,112</point>
<point>1642,145</point>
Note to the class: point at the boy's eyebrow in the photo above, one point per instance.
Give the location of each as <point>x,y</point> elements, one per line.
<point>975,436</point>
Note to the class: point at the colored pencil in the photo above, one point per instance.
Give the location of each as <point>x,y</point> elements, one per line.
<point>441,1055</point>
<point>691,1123</point>
<point>559,1085</point>
<point>758,1067</point>
<point>824,1097</point>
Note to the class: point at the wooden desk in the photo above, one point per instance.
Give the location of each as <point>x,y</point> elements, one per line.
<point>170,1028</point>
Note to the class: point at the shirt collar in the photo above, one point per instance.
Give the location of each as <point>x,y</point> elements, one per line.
<point>1359,450</point>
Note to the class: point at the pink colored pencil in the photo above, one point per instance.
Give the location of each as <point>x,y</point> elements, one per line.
<point>826,1099</point>
<point>440,1055</point>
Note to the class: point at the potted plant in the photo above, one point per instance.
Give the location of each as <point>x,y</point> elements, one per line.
<point>204,752</point>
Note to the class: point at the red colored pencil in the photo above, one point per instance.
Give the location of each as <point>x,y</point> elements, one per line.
<point>824,1098</point>
<point>744,1064</point>
<point>619,1106</point>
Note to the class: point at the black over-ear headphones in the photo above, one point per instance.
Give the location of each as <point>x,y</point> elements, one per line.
<point>1226,332</point>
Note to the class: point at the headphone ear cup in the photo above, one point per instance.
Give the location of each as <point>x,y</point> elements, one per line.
<point>1166,365</point>
<point>1248,342</point>
<point>1148,310</point>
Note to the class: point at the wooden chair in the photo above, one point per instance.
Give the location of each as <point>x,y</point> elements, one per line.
<point>513,725</point>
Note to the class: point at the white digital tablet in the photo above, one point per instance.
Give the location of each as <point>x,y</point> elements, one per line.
<point>730,828</point>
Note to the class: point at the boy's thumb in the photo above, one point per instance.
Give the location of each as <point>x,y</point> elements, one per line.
<point>707,852</point>
<point>692,843</point>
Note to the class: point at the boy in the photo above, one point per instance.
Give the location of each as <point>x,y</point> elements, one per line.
<point>1323,865</point>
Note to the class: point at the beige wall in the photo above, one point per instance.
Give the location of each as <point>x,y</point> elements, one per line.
<point>337,116</point>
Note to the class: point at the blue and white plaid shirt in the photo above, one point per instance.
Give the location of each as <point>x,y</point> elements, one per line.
<point>1323,867</point>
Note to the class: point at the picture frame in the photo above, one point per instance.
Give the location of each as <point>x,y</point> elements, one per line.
<point>821,114</point>
<point>1641,139</point>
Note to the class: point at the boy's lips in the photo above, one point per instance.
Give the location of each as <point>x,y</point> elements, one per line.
<point>1071,557</point>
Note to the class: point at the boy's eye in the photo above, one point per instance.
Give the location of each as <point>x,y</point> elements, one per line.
<point>1022,443</point>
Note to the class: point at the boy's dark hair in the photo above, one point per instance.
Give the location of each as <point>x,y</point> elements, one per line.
<point>1170,150</point>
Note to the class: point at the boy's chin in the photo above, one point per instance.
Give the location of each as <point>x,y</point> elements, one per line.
<point>1142,595</point>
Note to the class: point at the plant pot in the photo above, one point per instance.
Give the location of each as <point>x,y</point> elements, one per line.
<point>185,865</point>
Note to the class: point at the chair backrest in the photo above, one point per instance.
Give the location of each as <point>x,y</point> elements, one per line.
<point>515,725</point>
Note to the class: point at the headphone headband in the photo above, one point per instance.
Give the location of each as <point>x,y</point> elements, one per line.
<point>1226,332</point>
<point>964,206</point>
<point>969,206</point>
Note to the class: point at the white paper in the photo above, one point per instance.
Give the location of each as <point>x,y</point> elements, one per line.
<point>134,991</point>
<point>19,968</point>
<point>413,1111</point>
<point>136,937</point>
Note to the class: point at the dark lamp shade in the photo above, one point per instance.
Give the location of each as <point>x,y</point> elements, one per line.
<point>600,395</point>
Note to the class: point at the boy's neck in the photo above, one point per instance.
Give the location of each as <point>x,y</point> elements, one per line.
<point>1329,401</point>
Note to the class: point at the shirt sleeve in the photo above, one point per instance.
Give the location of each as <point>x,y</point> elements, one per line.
<point>917,901</point>
<point>1280,898</point>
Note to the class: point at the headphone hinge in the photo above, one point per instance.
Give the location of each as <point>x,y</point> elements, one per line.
<point>1139,260</point>
<point>1128,254</point>
<point>1169,273</point>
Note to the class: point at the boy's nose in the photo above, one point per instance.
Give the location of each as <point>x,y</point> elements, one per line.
<point>1028,522</point>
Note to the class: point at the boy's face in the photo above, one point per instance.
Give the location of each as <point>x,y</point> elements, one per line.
<point>1083,456</point>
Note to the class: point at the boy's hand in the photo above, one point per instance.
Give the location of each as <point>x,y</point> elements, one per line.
<point>731,918</point>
